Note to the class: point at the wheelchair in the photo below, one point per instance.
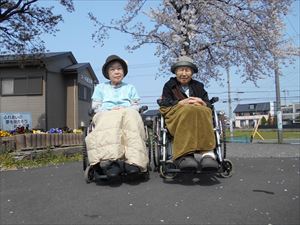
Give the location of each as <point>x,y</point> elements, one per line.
<point>89,170</point>
<point>161,147</point>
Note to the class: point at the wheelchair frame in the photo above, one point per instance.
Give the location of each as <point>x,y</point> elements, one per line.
<point>89,169</point>
<point>161,146</point>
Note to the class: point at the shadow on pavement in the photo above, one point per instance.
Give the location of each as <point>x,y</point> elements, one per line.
<point>194,179</point>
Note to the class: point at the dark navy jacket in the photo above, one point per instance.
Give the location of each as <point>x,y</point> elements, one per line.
<point>172,92</point>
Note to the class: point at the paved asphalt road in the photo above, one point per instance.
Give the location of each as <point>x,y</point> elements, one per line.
<point>264,189</point>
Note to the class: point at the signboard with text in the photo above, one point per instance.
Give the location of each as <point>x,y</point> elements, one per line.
<point>12,120</point>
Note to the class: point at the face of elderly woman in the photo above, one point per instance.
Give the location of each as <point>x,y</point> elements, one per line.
<point>184,74</point>
<point>115,72</point>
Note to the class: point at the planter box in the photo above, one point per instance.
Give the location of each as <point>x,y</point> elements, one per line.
<point>40,141</point>
<point>7,144</point>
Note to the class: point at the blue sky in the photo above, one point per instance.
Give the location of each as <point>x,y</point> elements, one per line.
<point>75,36</point>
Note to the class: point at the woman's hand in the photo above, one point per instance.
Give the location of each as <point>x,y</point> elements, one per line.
<point>184,101</point>
<point>197,101</point>
<point>192,100</point>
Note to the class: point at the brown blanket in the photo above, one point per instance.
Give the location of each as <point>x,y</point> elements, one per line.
<point>192,128</point>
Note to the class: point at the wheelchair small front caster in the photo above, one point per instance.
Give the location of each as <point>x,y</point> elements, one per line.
<point>165,172</point>
<point>89,174</point>
<point>227,168</point>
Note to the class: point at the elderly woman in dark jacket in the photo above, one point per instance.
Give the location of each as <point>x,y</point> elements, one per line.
<point>188,116</point>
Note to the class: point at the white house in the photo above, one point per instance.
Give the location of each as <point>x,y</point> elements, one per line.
<point>248,115</point>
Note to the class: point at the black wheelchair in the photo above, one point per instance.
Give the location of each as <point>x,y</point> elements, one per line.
<point>161,147</point>
<point>89,170</point>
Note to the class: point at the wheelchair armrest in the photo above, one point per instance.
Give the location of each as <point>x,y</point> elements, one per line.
<point>159,101</point>
<point>143,109</point>
<point>213,100</point>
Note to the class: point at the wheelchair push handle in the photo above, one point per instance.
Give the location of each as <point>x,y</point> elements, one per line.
<point>213,100</point>
<point>143,109</point>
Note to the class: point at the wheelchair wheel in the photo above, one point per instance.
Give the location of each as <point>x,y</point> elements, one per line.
<point>85,160</point>
<point>156,156</point>
<point>149,144</point>
<point>223,137</point>
<point>89,174</point>
<point>163,170</point>
<point>227,168</point>
<point>155,143</point>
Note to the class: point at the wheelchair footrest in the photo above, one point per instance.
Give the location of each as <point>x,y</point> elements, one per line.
<point>189,171</point>
<point>102,177</point>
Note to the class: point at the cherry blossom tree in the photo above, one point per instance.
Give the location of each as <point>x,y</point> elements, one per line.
<point>22,22</point>
<point>217,34</point>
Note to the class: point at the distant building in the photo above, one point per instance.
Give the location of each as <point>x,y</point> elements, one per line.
<point>53,88</point>
<point>290,113</point>
<point>248,115</point>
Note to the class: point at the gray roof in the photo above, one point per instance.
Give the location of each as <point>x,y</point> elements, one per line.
<point>33,58</point>
<point>76,67</point>
<point>41,58</point>
<point>81,66</point>
<point>252,107</point>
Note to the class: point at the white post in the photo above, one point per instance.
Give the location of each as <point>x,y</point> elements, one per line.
<point>278,102</point>
<point>229,102</point>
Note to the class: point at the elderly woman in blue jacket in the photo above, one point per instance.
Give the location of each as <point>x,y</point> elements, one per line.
<point>119,131</point>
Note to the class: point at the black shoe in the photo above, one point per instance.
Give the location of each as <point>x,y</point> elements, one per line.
<point>209,164</point>
<point>131,169</point>
<point>187,163</point>
<point>97,174</point>
<point>113,170</point>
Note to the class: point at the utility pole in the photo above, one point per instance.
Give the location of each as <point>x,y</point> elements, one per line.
<point>229,102</point>
<point>278,102</point>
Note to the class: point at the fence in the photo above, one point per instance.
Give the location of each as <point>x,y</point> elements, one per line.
<point>23,142</point>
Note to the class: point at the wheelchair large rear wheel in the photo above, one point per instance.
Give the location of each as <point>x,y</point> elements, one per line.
<point>156,156</point>
<point>85,161</point>
<point>223,137</point>
<point>156,144</point>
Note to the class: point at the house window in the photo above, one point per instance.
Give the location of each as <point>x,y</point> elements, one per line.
<point>7,86</point>
<point>84,93</point>
<point>287,110</point>
<point>22,86</point>
<point>251,123</point>
<point>252,106</point>
<point>243,123</point>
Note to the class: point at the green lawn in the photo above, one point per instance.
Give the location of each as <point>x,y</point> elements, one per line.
<point>265,134</point>
<point>8,162</point>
